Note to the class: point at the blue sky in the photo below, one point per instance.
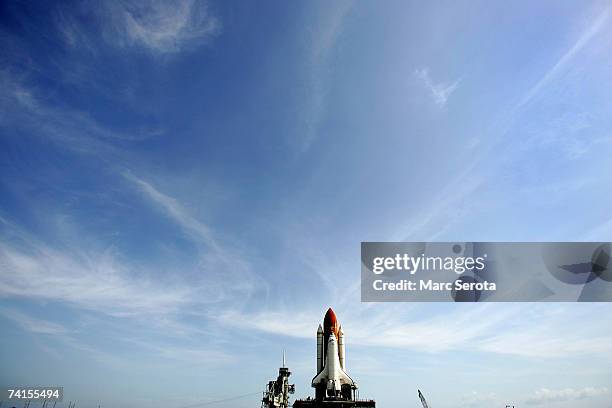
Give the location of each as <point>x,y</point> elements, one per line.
<point>184,187</point>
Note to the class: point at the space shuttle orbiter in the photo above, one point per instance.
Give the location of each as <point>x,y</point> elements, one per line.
<point>331,380</point>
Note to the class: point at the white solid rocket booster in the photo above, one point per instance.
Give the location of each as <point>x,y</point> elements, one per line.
<point>319,349</point>
<point>341,348</point>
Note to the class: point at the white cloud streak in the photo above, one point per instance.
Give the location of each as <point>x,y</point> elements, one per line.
<point>537,343</point>
<point>498,331</point>
<point>585,38</point>
<point>433,222</point>
<point>476,399</point>
<point>545,396</point>
<point>440,92</point>
<point>175,211</point>
<point>99,280</point>
<point>103,282</point>
<point>223,267</point>
<point>159,27</point>
<point>95,282</point>
<point>32,324</point>
<point>328,28</point>
<point>167,27</point>
<point>24,108</point>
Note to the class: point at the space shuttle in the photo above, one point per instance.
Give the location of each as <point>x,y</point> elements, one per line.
<point>332,381</point>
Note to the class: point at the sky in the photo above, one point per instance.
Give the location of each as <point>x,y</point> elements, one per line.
<point>184,187</point>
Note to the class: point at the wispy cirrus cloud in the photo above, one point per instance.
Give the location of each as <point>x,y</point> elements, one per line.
<point>322,40</point>
<point>274,322</point>
<point>166,27</point>
<point>454,201</point>
<point>201,353</point>
<point>476,399</point>
<point>32,324</point>
<point>195,228</point>
<point>100,279</point>
<point>24,107</point>
<point>592,30</point>
<point>160,27</point>
<point>92,281</point>
<point>434,335</point>
<point>501,332</point>
<point>223,266</point>
<point>440,92</point>
<point>539,343</point>
<point>545,396</point>
<point>100,287</point>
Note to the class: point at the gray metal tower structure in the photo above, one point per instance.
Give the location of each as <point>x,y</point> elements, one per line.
<point>277,392</point>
